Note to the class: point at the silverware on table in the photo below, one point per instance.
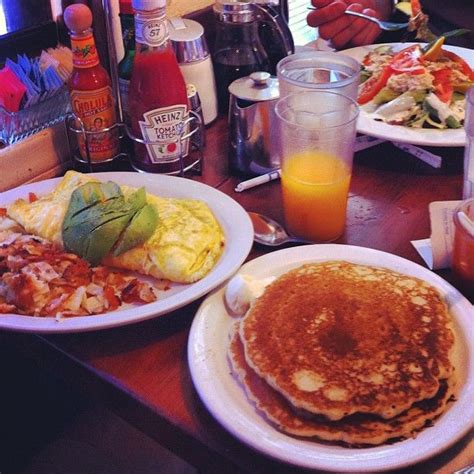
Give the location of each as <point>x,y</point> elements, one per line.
<point>383,25</point>
<point>272,233</point>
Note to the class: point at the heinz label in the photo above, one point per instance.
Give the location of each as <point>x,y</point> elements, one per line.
<point>164,128</point>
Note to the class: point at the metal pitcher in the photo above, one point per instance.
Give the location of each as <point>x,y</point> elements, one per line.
<point>253,148</point>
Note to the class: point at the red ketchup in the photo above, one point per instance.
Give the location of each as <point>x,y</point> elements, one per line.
<point>158,102</point>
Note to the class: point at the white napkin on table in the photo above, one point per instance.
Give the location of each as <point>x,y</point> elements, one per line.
<point>436,251</point>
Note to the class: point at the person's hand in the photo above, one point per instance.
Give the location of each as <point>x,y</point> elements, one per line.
<point>343,29</point>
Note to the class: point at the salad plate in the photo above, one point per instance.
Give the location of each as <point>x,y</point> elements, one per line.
<point>398,133</point>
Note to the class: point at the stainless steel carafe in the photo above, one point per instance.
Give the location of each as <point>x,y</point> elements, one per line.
<point>253,147</point>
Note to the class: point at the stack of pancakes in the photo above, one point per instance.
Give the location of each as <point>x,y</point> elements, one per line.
<point>346,353</point>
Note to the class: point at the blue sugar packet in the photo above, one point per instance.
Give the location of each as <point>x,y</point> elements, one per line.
<point>24,62</point>
<point>35,71</point>
<point>40,85</point>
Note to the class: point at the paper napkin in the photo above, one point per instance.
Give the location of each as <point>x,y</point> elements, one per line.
<point>436,251</point>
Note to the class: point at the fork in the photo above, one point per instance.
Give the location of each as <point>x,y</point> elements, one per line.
<point>383,25</point>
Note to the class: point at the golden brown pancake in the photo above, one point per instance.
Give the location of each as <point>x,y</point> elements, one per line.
<point>358,429</point>
<point>337,338</point>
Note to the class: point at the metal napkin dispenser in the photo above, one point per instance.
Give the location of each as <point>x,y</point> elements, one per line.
<point>253,147</point>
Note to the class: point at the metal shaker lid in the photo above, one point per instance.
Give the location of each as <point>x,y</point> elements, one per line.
<point>258,87</point>
<point>188,40</point>
<point>235,11</point>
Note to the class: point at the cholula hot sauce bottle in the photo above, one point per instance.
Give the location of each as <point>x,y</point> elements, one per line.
<point>90,88</point>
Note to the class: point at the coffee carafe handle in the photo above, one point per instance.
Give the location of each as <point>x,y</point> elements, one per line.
<point>284,32</point>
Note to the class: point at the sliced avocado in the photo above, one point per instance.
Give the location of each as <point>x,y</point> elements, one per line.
<point>90,194</point>
<point>101,240</point>
<point>98,216</point>
<point>453,122</point>
<point>385,95</point>
<point>364,75</point>
<point>139,230</point>
<point>419,95</point>
<point>137,199</point>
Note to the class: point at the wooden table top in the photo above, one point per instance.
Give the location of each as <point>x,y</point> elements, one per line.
<point>140,371</point>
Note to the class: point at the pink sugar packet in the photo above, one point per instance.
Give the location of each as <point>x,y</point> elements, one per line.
<point>12,90</point>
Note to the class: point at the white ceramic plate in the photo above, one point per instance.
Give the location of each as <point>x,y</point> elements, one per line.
<point>398,133</point>
<point>226,400</point>
<point>232,217</point>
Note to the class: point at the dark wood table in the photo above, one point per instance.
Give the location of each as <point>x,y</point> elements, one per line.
<point>140,371</point>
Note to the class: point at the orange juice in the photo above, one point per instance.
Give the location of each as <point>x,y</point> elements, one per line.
<point>315,185</point>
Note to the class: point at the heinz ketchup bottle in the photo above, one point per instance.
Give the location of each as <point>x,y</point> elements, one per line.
<point>158,103</point>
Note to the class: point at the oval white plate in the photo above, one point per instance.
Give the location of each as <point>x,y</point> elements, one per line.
<point>225,398</point>
<point>232,217</point>
<point>398,133</point>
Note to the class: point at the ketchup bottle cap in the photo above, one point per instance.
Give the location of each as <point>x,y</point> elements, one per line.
<point>148,5</point>
<point>126,7</point>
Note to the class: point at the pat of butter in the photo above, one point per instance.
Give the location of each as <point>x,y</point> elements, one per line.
<point>242,291</point>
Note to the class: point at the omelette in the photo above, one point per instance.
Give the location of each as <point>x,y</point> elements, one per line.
<point>184,247</point>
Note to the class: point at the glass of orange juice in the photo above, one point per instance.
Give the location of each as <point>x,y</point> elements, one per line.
<point>317,132</point>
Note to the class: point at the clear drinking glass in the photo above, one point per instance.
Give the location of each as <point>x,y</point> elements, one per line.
<point>319,70</point>
<point>316,142</point>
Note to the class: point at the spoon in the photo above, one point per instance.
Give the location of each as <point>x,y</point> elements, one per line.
<point>272,233</point>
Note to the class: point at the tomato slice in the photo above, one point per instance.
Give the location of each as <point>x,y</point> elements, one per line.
<point>415,7</point>
<point>465,68</point>
<point>373,85</point>
<point>442,84</point>
<point>408,61</point>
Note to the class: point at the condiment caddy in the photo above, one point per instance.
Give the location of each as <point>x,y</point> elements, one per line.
<point>163,131</point>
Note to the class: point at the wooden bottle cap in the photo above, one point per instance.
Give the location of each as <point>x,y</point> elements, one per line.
<point>78,17</point>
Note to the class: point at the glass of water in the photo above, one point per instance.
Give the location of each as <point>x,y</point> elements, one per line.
<point>318,70</point>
